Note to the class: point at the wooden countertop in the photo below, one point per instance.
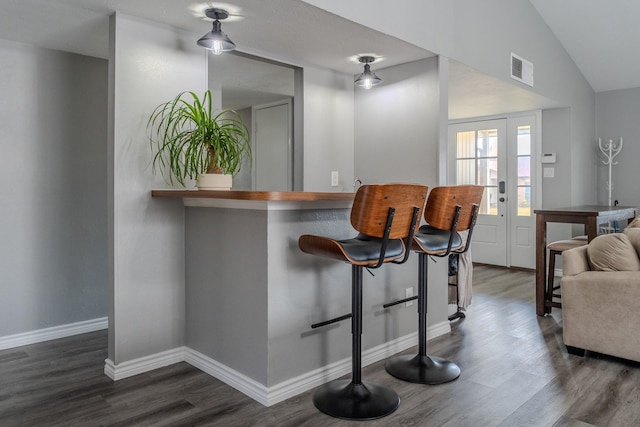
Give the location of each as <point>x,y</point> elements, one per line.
<point>586,210</point>
<point>289,196</point>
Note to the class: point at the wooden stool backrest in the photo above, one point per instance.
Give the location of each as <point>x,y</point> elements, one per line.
<point>371,208</point>
<point>441,206</point>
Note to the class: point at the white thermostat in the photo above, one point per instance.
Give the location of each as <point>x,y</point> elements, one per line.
<point>548,158</point>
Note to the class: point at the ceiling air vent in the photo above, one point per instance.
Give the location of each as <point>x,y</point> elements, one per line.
<point>521,70</point>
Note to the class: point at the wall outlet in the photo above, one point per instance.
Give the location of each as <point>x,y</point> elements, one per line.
<point>334,178</point>
<point>407,294</point>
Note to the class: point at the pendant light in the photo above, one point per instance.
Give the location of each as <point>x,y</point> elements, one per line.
<point>216,41</point>
<point>368,78</point>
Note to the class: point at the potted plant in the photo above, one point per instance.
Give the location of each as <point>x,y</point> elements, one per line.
<point>192,140</point>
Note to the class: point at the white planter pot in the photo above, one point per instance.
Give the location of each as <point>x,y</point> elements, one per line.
<point>214,181</point>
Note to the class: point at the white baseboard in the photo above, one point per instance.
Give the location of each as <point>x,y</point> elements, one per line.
<point>143,364</point>
<point>267,396</point>
<point>250,387</point>
<point>309,380</point>
<point>436,330</point>
<point>53,333</point>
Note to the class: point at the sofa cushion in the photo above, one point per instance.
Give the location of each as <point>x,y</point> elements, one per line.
<point>635,223</point>
<point>634,237</point>
<point>612,252</point>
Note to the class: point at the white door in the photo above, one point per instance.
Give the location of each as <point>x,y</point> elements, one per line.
<point>498,154</point>
<point>478,156</point>
<point>271,143</point>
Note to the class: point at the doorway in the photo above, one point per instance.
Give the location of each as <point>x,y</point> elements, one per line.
<point>500,155</point>
<point>272,147</point>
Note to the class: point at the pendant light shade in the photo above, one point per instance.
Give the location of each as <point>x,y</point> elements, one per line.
<point>368,78</point>
<point>216,41</point>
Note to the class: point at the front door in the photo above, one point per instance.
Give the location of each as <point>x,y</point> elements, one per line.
<point>498,154</point>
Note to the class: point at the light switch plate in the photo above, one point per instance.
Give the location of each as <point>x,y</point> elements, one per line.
<point>334,178</point>
<point>549,172</point>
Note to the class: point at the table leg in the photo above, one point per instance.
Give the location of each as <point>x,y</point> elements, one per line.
<point>591,227</point>
<point>541,262</point>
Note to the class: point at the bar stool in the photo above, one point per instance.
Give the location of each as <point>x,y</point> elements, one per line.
<point>386,217</point>
<point>556,248</point>
<point>449,210</point>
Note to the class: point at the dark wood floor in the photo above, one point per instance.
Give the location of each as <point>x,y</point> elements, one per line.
<point>515,372</point>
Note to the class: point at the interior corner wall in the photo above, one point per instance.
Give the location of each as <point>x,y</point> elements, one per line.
<point>556,132</point>
<point>617,117</point>
<point>583,153</point>
<point>328,129</point>
<point>53,226</point>
<point>149,64</point>
<point>396,125</point>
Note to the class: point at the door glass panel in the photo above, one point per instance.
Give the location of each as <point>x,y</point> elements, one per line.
<point>488,143</point>
<point>487,172</point>
<point>477,163</point>
<point>524,201</point>
<point>466,171</point>
<point>466,145</point>
<point>524,170</point>
<point>524,140</point>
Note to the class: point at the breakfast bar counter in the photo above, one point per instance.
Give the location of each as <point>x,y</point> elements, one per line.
<point>296,196</point>
<point>251,295</point>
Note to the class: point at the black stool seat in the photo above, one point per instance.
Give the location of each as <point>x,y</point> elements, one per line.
<point>386,218</point>
<point>360,250</point>
<point>435,241</point>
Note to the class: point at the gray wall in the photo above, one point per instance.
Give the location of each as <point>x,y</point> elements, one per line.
<point>242,180</point>
<point>149,64</point>
<point>53,227</point>
<point>306,289</point>
<point>396,125</point>
<point>328,129</point>
<point>556,132</point>
<point>617,117</point>
<point>227,285</point>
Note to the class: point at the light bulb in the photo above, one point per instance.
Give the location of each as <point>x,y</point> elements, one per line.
<point>368,84</point>
<point>216,47</point>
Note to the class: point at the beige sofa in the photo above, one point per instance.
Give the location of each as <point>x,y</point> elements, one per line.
<point>601,295</point>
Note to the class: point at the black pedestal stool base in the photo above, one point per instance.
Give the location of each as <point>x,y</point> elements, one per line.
<point>422,369</point>
<point>364,401</point>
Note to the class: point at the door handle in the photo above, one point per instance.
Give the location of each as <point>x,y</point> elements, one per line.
<point>501,199</point>
<point>501,188</point>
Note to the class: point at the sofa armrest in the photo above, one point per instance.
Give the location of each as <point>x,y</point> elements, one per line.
<point>600,312</point>
<point>575,261</point>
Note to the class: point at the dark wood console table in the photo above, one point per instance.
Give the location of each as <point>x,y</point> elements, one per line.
<point>590,216</point>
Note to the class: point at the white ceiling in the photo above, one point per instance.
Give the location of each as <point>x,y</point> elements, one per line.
<point>294,29</point>
<point>599,36</point>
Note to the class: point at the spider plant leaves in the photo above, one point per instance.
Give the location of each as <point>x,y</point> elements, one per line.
<point>188,138</point>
